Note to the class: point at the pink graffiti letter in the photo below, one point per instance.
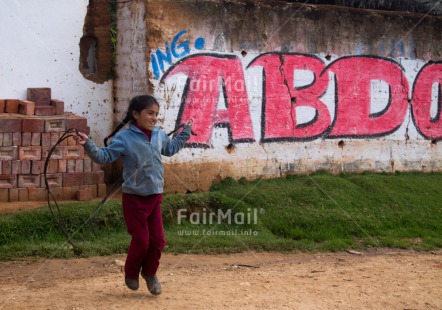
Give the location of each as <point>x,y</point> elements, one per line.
<point>430,127</point>
<point>208,76</point>
<point>281,97</point>
<point>353,94</point>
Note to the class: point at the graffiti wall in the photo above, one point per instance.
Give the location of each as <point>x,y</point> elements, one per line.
<point>286,88</point>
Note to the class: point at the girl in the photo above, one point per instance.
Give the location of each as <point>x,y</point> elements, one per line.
<point>140,146</point>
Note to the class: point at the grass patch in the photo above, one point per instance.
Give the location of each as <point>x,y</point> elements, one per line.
<point>318,212</point>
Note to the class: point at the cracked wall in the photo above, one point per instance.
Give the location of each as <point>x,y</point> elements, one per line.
<point>276,88</point>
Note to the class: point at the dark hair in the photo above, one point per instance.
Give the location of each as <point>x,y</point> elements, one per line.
<point>137,103</point>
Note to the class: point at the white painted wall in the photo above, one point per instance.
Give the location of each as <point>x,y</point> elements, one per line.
<point>375,154</point>
<point>40,48</point>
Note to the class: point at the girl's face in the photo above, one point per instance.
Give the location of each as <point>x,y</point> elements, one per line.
<point>148,117</point>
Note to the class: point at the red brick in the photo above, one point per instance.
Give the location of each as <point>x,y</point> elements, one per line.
<point>28,180</point>
<point>26,139</point>
<point>37,194</point>
<point>55,136</point>
<point>55,125</point>
<point>54,180</point>
<point>96,167</point>
<point>4,195</point>
<point>79,165</point>
<point>26,107</point>
<point>94,177</point>
<point>84,194</point>
<point>2,105</point>
<point>33,125</point>
<point>70,165</point>
<point>23,194</point>
<point>59,106</point>
<point>36,166</point>
<point>64,142</point>
<point>8,181</point>
<point>16,138</point>
<point>12,105</point>
<point>25,167</point>
<point>6,166</point>
<point>46,139</point>
<point>73,152</point>
<point>71,142</point>
<point>62,165</point>
<point>93,189</point>
<point>44,110</point>
<point>57,192</point>
<point>52,166</point>
<point>13,194</point>
<point>57,153</point>
<point>16,167</point>
<point>7,139</point>
<point>87,165</point>
<point>42,166</point>
<point>77,122</point>
<point>29,153</point>
<point>70,193</point>
<point>72,179</point>
<point>41,96</point>
<point>8,152</point>
<point>35,139</point>
<point>10,125</point>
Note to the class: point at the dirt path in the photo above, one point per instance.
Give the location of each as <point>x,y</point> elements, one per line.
<point>378,280</point>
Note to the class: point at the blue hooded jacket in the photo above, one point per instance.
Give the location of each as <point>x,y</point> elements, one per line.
<point>142,165</point>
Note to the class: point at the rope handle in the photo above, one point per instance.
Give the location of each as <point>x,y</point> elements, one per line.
<point>178,127</point>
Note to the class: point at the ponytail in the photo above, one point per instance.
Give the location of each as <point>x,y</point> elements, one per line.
<point>117,129</point>
<point>137,103</point>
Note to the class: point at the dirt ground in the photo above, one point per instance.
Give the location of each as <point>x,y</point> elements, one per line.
<point>381,279</point>
<point>378,279</point>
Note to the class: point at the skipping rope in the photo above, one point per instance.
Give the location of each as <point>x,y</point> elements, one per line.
<point>56,213</point>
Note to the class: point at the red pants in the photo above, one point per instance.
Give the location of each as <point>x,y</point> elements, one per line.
<point>145,224</point>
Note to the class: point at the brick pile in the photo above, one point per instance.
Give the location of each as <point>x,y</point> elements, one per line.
<point>28,130</point>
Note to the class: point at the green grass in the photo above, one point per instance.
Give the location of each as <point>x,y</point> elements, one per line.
<point>318,212</point>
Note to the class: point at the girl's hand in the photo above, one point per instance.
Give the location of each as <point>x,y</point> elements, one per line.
<point>80,137</point>
<point>189,122</point>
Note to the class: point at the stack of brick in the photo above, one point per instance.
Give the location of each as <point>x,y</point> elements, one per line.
<point>28,131</point>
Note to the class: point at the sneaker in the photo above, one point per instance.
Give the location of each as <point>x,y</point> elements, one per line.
<point>132,283</point>
<point>153,285</point>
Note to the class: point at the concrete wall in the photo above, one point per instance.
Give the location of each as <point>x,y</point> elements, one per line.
<point>276,88</point>
<point>40,48</point>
